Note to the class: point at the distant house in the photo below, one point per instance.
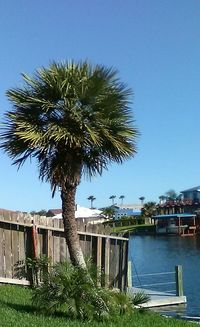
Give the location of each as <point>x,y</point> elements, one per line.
<point>183,224</point>
<point>83,214</point>
<point>53,212</point>
<point>191,194</point>
<point>127,210</point>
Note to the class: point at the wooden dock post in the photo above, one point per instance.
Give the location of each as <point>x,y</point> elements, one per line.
<point>129,277</point>
<point>179,280</point>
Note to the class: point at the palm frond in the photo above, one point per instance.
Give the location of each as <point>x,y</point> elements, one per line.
<point>71,112</point>
<point>139,298</point>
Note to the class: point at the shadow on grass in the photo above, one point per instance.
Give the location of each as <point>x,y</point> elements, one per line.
<point>19,307</point>
<point>30,309</point>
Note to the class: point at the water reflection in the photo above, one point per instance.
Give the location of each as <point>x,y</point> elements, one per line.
<point>153,254</point>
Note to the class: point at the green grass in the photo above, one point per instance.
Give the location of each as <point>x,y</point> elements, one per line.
<point>134,228</point>
<point>16,310</point>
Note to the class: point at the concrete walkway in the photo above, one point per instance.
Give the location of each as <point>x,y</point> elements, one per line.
<point>159,299</point>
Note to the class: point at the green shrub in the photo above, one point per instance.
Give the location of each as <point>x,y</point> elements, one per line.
<point>73,291</point>
<point>33,269</point>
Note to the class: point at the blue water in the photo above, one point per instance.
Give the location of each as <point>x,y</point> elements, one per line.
<point>153,254</point>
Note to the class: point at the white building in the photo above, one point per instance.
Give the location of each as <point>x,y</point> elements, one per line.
<point>87,215</point>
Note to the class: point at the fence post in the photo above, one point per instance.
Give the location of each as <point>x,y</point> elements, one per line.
<point>99,257</point>
<point>129,277</point>
<point>35,240</point>
<point>179,280</point>
<point>107,261</point>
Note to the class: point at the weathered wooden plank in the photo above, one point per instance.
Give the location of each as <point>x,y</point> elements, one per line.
<point>129,277</point>
<point>40,249</point>
<point>28,219</point>
<point>61,224</point>
<point>15,244</point>
<point>36,220</point>
<point>14,281</point>
<point>82,241</point>
<point>179,280</point>
<point>22,237</point>
<point>56,242</point>
<point>19,222</point>
<point>8,253</point>
<point>2,251</point>
<point>99,259</point>
<point>43,220</point>
<point>99,252</point>
<point>88,246</point>
<point>124,265</point>
<point>107,262</point>
<point>113,263</point>
<point>117,250</point>
<point>49,239</point>
<point>63,248</point>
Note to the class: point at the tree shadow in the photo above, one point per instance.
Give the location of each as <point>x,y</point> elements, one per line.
<point>31,309</point>
<point>20,307</point>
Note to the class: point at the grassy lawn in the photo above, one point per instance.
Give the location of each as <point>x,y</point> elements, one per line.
<point>134,228</point>
<point>16,310</point>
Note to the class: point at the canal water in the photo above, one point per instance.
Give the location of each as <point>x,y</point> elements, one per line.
<point>157,254</point>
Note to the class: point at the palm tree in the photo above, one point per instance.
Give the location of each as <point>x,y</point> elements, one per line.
<point>112,198</point>
<point>142,198</point>
<point>162,198</point>
<point>91,198</point>
<point>122,199</point>
<point>108,211</point>
<point>74,119</point>
<point>171,195</point>
<point>149,209</point>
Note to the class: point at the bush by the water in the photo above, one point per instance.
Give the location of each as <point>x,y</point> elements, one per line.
<point>74,291</point>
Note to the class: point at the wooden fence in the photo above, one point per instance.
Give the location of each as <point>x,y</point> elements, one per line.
<point>20,233</point>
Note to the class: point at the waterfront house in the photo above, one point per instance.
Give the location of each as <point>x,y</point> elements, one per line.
<point>181,224</point>
<point>191,194</point>
<point>187,202</point>
<point>127,210</point>
<point>84,215</point>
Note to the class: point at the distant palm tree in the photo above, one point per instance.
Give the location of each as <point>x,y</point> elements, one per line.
<point>162,198</point>
<point>108,211</point>
<point>149,209</point>
<point>122,199</point>
<point>91,198</point>
<point>74,119</point>
<point>171,194</point>
<point>142,198</point>
<point>112,197</point>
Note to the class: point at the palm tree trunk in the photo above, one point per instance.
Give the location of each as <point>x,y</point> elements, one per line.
<point>70,228</point>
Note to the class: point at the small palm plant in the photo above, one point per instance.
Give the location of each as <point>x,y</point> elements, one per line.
<point>67,290</point>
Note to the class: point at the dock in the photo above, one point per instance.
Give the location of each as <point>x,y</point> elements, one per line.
<point>159,299</point>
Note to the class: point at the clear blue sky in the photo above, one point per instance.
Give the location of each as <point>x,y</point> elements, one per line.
<point>155,45</point>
